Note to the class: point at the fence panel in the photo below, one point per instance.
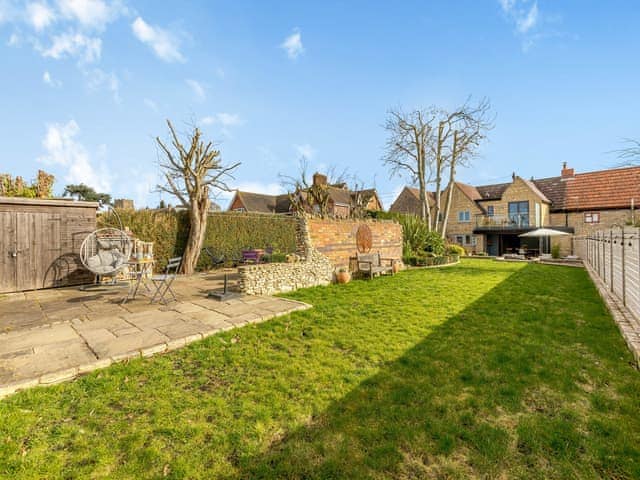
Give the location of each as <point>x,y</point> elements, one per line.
<point>614,255</point>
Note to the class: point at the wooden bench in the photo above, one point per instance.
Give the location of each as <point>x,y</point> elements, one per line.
<point>371,264</point>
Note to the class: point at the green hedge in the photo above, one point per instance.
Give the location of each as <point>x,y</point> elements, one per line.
<point>430,261</point>
<point>228,233</point>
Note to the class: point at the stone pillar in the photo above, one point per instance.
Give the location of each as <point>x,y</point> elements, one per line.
<point>303,239</point>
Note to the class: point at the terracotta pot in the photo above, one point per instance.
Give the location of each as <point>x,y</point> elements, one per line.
<point>396,267</point>
<point>343,277</point>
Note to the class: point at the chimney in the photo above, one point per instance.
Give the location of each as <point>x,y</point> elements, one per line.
<point>566,172</point>
<point>319,179</point>
<point>513,176</point>
<point>123,204</point>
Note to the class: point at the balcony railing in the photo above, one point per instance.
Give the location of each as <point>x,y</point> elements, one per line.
<point>503,222</point>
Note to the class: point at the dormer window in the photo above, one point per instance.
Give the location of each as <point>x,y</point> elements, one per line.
<point>490,211</point>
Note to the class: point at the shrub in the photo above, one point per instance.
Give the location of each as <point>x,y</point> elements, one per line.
<point>434,243</point>
<point>555,251</point>
<point>414,233</point>
<point>454,249</point>
<point>275,257</point>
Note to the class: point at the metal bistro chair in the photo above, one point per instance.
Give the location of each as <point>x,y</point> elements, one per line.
<point>163,282</point>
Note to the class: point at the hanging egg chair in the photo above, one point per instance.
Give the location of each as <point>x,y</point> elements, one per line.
<point>106,251</point>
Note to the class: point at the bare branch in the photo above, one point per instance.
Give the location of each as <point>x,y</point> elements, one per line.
<point>630,155</point>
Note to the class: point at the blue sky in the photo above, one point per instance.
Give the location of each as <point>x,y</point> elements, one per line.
<point>87,84</point>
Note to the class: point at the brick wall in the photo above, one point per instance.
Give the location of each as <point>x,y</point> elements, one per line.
<point>336,239</point>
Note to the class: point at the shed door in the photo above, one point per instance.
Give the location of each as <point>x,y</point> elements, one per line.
<point>8,255</point>
<point>38,248</point>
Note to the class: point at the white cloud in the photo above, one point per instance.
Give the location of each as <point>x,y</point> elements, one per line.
<point>197,88</point>
<point>229,119</point>
<point>74,45</point>
<point>151,104</point>
<point>305,150</point>
<point>293,44</point>
<point>63,150</point>
<point>163,43</point>
<point>49,80</point>
<point>8,11</point>
<point>39,15</point>
<point>91,13</point>
<point>98,79</point>
<point>527,20</point>
<point>140,186</point>
<point>225,120</point>
<point>14,40</point>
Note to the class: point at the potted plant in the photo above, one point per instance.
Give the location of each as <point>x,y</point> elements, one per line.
<point>343,275</point>
<point>396,266</point>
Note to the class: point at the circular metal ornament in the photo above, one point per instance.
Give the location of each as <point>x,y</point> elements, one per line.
<point>364,239</point>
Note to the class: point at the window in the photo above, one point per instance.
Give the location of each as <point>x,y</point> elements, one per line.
<point>470,240</point>
<point>464,216</point>
<point>490,210</point>
<point>239,209</point>
<point>592,217</point>
<point>460,239</point>
<point>519,214</point>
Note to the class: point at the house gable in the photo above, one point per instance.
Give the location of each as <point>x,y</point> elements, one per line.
<point>463,198</point>
<point>408,202</point>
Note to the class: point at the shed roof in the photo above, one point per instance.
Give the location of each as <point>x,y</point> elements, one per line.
<point>49,202</point>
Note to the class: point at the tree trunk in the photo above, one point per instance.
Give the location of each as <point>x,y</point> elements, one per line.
<point>438,162</point>
<point>198,211</point>
<point>452,179</point>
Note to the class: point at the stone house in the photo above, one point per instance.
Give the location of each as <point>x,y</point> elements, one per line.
<point>341,202</point>
<point>489,218</point>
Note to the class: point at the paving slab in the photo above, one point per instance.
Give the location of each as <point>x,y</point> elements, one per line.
<point>181,328</point>
<point>126,343</point>
<point>13,341</point>
<point>54,336</point>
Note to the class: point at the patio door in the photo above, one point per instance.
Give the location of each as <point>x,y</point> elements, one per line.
<point>30,244</point>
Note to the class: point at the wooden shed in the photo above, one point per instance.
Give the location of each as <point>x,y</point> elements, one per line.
<point>40,242</point>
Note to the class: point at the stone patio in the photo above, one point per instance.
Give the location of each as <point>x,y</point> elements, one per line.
<point>50,336</point>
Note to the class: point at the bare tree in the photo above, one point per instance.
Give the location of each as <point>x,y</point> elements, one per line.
<point>191,171</point>
<point>630,155</point>
<point>410,136</point>
<point>430,145</point>
<point>307,197</point>
<point>359,198</point>
<point>470,125</point>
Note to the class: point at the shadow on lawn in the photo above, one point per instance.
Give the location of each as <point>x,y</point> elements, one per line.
<point>497,389</point>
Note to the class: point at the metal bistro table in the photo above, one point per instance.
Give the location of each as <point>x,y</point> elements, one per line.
<point>139,270</point>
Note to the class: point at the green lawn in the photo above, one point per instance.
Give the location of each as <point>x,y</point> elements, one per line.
<point>484,370</point>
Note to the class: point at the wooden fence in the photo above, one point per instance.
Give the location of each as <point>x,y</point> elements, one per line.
<point>614,255</point>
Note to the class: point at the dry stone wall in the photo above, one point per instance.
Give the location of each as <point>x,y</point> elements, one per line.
<point>266,279</point>
<point>321,246</point>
